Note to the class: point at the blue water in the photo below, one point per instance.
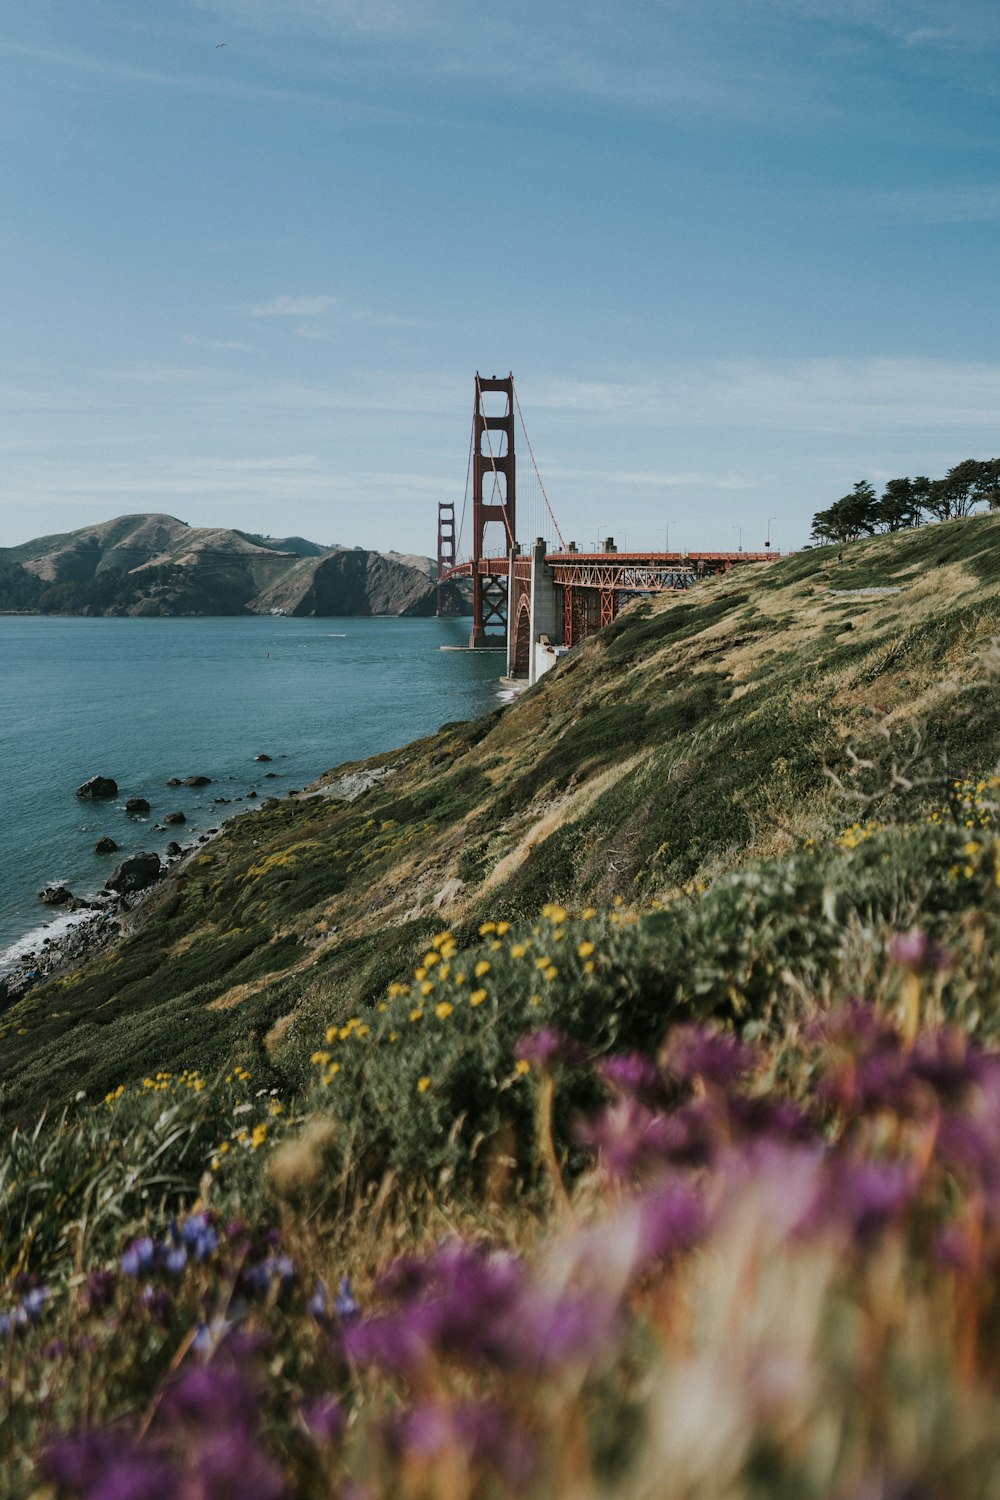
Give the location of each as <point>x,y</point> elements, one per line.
<point>141,700</point>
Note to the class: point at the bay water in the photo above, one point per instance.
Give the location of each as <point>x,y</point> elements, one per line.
<point>143,700</point>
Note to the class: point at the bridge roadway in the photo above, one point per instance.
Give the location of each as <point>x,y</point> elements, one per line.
<point>539,604</point>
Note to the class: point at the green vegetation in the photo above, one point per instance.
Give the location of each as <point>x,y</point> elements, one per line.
<point>655,1020</point>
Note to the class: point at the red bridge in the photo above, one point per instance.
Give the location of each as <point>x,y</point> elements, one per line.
<point>537,604</point>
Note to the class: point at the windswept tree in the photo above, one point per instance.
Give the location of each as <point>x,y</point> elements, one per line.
<point>902,502</point>
<point>972,482</point>
<point>849,517</point>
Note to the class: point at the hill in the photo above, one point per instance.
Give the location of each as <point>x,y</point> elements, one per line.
<point>743,720</point>
<point>157,565</point>
<point>599,1098</point>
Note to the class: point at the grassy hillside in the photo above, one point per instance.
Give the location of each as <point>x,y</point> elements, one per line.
<point>699,732</point>
<point>601,1098</point>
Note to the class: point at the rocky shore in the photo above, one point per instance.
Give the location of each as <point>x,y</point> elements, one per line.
<point>81,926</point>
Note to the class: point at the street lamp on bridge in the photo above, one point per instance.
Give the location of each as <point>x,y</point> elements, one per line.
<point>769,520</point>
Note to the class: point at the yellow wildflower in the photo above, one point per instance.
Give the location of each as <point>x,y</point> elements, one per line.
<point>416,1014</point>
<point>519,950</point>
<point>522,1067</point>
<point>320,1059</point>
<point>586,949</point>
<point>423,1084</point>
<point>443,1010</point>
<point>258,1136</point>
<point>426,987</point>
<point>430,959</point>
<point>487,927</point>
<point>502,929</point>
<point>482,967</point>
<point>477,997</point>
<point>555,913</point>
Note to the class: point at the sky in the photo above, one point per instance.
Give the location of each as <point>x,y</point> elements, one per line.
<point>738,255</point>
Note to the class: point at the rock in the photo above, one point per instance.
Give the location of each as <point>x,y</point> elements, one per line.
<point>174,849</point>
<point>55,895</point>
<point>251,794</point>
<point>270,775</point>
<point>196,781</point>
<point>137,805</point>
<point>98,786</point>
<point>220,799</point>
<point>449,893</point>
<point>173,781</point>
<point>105,846</point>
<point>175,817</point>
<point>263,757</point>
<point>135,873</point>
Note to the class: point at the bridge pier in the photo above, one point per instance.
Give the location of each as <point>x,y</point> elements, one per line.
<point>534,615</point>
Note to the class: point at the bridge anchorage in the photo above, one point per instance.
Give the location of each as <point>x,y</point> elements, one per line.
<point>536,605</point>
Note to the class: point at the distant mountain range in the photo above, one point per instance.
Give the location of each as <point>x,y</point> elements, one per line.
<point>157,565</point>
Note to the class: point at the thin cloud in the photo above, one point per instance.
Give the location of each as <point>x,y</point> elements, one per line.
<point>217,344</point>
<point>293,307</point>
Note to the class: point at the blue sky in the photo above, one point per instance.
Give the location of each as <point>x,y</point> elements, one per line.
<point>738,254</point>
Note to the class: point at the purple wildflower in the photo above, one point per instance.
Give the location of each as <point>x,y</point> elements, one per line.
<point>319,1303</point>
<point>914,950</point>
<point>549,1048</point>
<point>346,1307</point>
<point>108,1466</point>
<point>199,1235</point>
<point>485,1433</point>
<point>230,1465</point>
<point>140,1256</point>
<point>213,1396</point>
<point>670,1221</point>
<point>324,1419</point>
<point>866,1196</point>
<point>714,1057</point>
<point>33,1302</point>
<point>631,1074</point>
<point>628,1137</point>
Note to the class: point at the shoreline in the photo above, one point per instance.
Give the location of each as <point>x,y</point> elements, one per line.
<point>71,938</point>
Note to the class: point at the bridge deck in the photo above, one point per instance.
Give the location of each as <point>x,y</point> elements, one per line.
<point>603,570</point>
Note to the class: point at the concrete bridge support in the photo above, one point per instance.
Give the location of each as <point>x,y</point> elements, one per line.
<point>535,617</point>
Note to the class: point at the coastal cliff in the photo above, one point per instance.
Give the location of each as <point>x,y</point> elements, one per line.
<point>488,1117</point>
<point>762,713</point>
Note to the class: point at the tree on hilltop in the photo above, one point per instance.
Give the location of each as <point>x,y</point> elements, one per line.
<point>849,517</point>
<point>970,483</point>
<point>902,502</point>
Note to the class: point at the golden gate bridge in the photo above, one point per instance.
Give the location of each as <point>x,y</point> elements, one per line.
<point>537,602</point>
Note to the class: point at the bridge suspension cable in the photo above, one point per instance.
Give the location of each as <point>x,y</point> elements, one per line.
<point>534,465</point>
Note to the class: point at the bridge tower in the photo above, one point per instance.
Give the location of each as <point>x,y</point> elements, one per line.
<point>446,551</point>
<point>494,500</point>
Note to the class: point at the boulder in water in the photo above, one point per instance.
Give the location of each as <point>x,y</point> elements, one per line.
<point>98,786</point>
<point>263,757</point>
<point>135,873</point>
<point>173,781</point>
<point>105,846</point>
<point>56,895</point>
<point>196,781</point>
<point>175,817</point>
<point>137,805</point>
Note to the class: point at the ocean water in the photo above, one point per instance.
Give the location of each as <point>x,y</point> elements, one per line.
<point>142,700</point>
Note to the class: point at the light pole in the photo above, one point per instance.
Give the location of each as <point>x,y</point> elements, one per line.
<point>666,535</point>
<point>740,530</point>
<point>769,520</point>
